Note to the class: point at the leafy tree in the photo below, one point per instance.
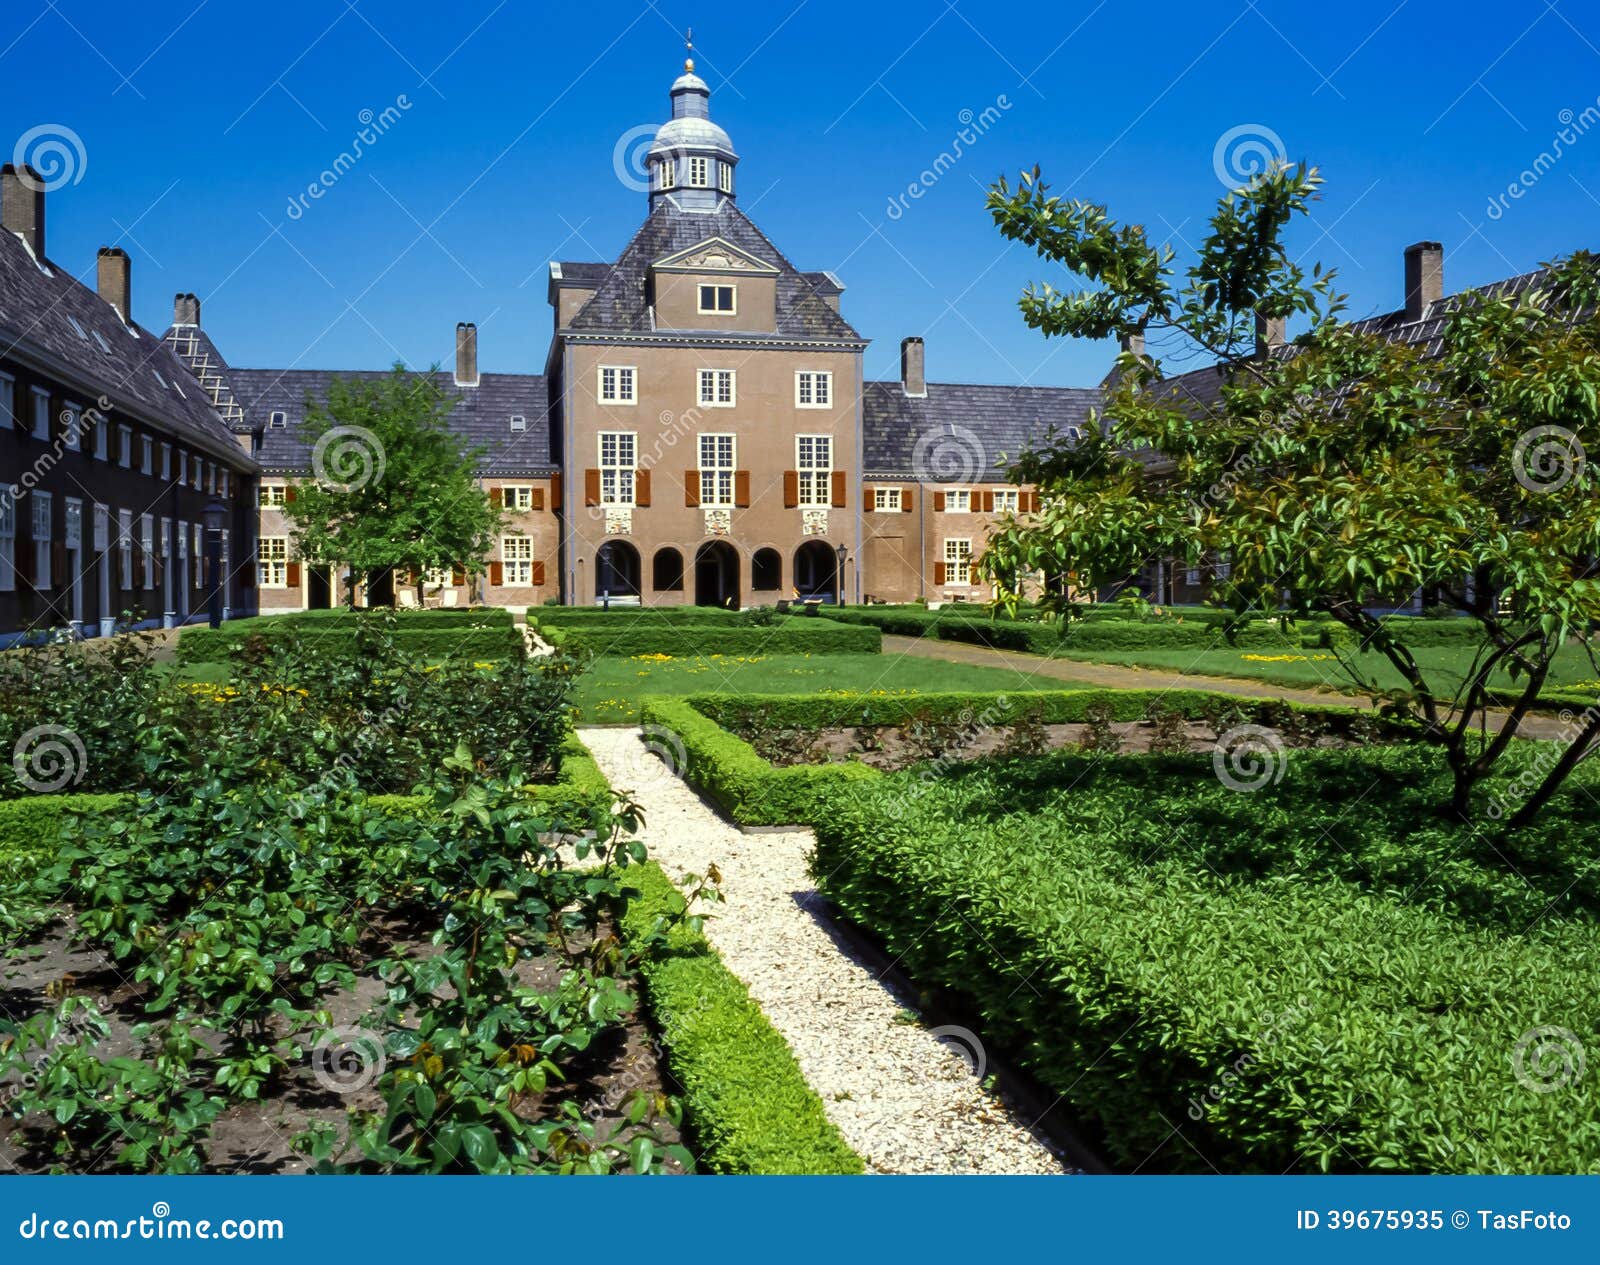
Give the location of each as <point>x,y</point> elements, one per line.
<point>1343,470</point>
<point>393,487</point>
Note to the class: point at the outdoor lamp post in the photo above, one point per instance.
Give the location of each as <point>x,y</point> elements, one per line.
<point>841,553</point>
<point>214,514</point>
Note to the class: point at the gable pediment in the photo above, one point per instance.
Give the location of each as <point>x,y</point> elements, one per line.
<point>715,255</point>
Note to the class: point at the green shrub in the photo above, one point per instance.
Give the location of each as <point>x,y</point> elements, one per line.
<point>30,828</point>
<point>219,645</point>
<point>1296,985</point>
<point>788,636</point>
<point>751,1108</point>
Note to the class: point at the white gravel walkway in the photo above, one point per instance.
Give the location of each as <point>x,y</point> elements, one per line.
<point>908,1099</point>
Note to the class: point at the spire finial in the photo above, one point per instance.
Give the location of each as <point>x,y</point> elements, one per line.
<point>688,44</point>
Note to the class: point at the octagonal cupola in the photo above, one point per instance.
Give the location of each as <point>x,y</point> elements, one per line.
<point>692,159</point>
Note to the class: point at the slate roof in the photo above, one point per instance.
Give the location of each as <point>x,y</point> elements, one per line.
<point>37,309</point>
<point>619,304</point>
<point>959,431</point>
<point>481,417</point>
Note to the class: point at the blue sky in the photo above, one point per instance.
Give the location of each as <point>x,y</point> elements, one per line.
<point>200,120</point>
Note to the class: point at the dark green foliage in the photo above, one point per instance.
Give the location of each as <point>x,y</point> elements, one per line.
<point>221,645</point>
<point>751,1108</point>
<point>790,635</point>
<point>1352,983</point>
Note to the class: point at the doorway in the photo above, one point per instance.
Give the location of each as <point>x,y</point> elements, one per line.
<point>816,571</point>
<point>616,571</point>
<point>716,575</point>
<point>319,588</point>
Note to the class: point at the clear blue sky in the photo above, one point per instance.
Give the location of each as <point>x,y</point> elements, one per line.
<point>201,119</point>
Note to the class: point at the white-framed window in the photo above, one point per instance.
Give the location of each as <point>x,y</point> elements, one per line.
<point>716,469</point>
<point>71,426</point>
<point>519,422</point>
<point>224,555</point>
<point>74,523</point>
<point>8,539</point>
<point>8,401</point>
<point>618,458</point>
<point>516,559</point>
<point>41,539</point>
<point>272,495</point>
<point>699,173</point>
<point>814,461</point>
<point>1191,576</point>
<point>199,570</point>
<point>102,529</point>
<point>125,548</point>
<point>224,479</point>
<point>277,419</point>
<point>958,501</point>
<point>41,413</point>
<point>166,538</point>
<point>886,499</point>
<point>517,496</point>
<point>183,467</point>
<point>183,541</point>
<point>719,300</point>
<point>619,384</point>
<point>1224,566</point>
<point>273,553</point>
<point>196,469</point>
<point>725,177</point>
<point>667,174</point>
<point>102,437</point>
<point>717,388</point>
<point>147,455</point>
<point>957,560</point>
<point>147,545</point>
<point>166,461</point>
<point>125,447</point>
<point>1006,500</point>
<point>813,389</point>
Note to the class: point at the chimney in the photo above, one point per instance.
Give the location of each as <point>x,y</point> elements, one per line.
<point>913,377</point>
<point>112,273</point>
<point>22,205</point>
<point>1271,331</point>
<point>1132,341</point>
<point>185,309</point>
<point>466,354</point>
<point>1424,278</point>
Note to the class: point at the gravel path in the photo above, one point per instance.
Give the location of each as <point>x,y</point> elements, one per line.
<point>907,1098</point>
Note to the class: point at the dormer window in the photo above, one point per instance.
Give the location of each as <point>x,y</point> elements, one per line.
<point>718,300</point>
<point>518,422</point>
<point>666,174</point>
<point>725,177</point>
<point>699,173</point>
<point>278,420</point>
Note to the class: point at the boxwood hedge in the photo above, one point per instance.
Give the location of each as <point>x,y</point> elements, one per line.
<point>787,636</point>
<point>748,1103</point>
<point>1288,984</point>
<point>217,645</point>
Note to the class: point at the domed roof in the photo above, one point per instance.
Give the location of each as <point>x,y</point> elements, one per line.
<point>690,82</point>
<point>688,132</point>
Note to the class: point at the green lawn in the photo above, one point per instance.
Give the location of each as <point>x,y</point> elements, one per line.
<point>1321,669</point>
<point>609,691</point>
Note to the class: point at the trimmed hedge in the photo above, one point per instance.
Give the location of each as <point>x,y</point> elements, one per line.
<point>216,645</point>
<point>1288,1012</point>
<point>444,617</point>
<point>587,615</point>
<point>788,636</point>
<point>748,1102</point>
<point>725,767</point>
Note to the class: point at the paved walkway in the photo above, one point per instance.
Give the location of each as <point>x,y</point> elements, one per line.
<point>908,1099</point>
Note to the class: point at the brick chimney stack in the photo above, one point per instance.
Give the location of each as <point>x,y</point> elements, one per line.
<point>1132,341</point>
<point>913,374</point>
<point>185,309</point>
<point>1271,331</point>
<point>466,354</point>
<point>114,280</point>
<point>22,205</point>
<point>1424,278</point>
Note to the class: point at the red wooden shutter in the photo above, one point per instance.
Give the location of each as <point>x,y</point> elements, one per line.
<point>905,500</point>
<point>641,488</point>
<point>938,502</point>
<point>497,574</point>
<point>691,488</point>
<point>293,575</point>
<point>497,497</point>
<point>838,489</point>
<point>741,489</point>
<point>538,573</point>
<point>591,487</point>
<point>289,495</point>
<point>938,573</point>
<point>555,491</point>
<point>536,499</point>
<point>791,489</point>
<point>458,576</point>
